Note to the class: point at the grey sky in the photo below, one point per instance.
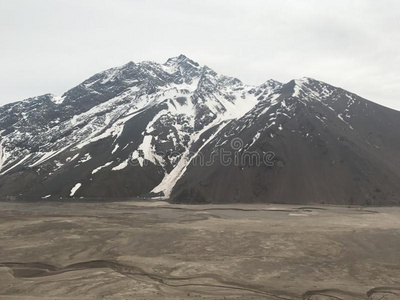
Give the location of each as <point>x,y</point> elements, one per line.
<point>49,46</point>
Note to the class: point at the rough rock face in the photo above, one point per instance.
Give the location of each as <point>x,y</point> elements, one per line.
<point>328,146</point>
<point>182,131</point>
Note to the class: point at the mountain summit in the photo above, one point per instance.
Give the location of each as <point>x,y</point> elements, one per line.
<point>166,130</point>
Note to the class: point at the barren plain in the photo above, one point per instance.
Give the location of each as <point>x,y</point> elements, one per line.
<point>156,250</point>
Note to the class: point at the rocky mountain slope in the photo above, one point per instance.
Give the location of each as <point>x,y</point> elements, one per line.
<point>181,131</point>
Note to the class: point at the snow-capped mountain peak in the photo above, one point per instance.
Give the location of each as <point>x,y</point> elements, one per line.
<point>181,61</point>
<point>135,129</point>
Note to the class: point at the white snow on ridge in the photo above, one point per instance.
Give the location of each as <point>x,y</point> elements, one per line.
<point>121,166</point>
<point>149,127</point>
<point>273,101</point>
<point>239,108</point>
<point>57,99</point>
<point>298,87</point>
<point>170,179</point>
<point>115,112</point>
<point>149,151</point>
<point>2,156</point>
<point>111,73</point>
<point>85,158</point>
<point>74,189</point>
<point>115,149</point>
<point>113,131</point>
<point>255,138</point>
<point>319,118</point>
<point>72,158</point>
<point>241,104</point>
<point>101,167</point>
<point>135,155</point>
<point>47,155</point>
<point>341,118</point>
<point>17,164</point>
<point>170,90</point>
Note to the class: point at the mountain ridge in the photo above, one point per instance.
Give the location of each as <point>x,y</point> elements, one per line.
<point>134,130</point>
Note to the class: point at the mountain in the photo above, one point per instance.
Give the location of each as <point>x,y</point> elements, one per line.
<point>329,146</point>
<point>181,131</point>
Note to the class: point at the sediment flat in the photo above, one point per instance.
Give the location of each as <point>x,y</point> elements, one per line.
<point>155,250</point>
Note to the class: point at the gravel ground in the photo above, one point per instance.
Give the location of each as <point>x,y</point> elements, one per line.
<point>155,250</point>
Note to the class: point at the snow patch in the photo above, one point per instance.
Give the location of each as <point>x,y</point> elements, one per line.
<point>121,166</point>
<point>74,189</point>
<point>319,118</point>
<point>72,158</point>
<point>341,118</point>
<point>2,156</point>
<point>102,167</point>
<point>169,180</point>
<point>57,100</point>
<point>298,87</point>
<point>17,164</point>
<point>255,138</point>
<point>115,149</point>
<point>85,158</point>
<point>149,151</point>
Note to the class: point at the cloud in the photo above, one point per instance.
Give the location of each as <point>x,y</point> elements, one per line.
<point>51,46</point>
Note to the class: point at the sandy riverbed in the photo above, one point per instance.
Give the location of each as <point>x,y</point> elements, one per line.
<point>141,250</point>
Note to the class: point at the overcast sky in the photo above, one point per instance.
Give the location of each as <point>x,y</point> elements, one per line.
<point>49,46</point>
